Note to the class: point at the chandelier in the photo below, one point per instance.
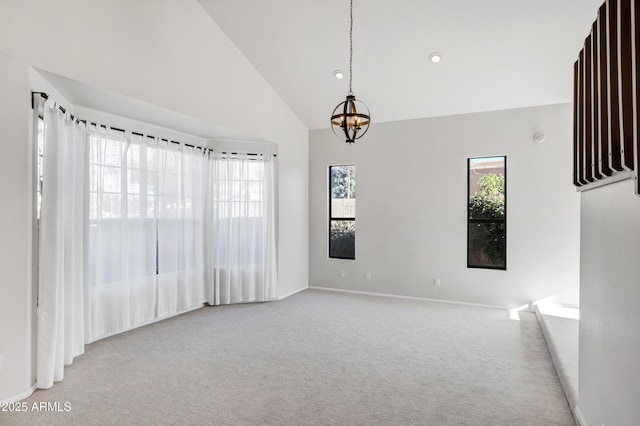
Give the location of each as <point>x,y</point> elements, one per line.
<point>350,117</point>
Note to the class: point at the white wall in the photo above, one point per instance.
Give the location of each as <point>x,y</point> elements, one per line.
<point>411,207</point>
<point>167,53</point>
<point>15,287</point>
<point>609,387</point>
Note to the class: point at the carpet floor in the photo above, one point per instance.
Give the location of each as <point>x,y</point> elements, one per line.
<point>315,358</point>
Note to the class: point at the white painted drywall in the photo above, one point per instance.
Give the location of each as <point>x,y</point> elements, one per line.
<point>411,207</point>
<point>15,270</point>
<point>609,387</point>
<point>167,53</point>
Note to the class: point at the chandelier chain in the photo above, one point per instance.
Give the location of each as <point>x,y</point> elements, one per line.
<point>351,48</point>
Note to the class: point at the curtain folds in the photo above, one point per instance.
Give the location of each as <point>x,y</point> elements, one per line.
<point>147,231</point>
<point>62,260</point>
<point>242,244</point>
<point>135,229</point>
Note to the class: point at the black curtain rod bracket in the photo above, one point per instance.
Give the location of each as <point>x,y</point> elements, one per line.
<point>42,95</point>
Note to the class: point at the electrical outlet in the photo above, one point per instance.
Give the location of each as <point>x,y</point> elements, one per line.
<point>367,276</point>
<point>342,274</point>
<point>436,282</point>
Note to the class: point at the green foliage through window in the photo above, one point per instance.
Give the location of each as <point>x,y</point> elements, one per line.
<point>488,202</point>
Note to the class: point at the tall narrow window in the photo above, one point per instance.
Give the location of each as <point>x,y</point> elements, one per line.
<point>487,213</point>
<point>39,169</point>
<point>342,212</point>
<point>40,163</point>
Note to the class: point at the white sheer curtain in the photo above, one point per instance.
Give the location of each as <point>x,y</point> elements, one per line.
<point>181,229</point>
<point>135,229</point>
<point>242,229</point>
<point>147,231</point>
<point>62,261</point>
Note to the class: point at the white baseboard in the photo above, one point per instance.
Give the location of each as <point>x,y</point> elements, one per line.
<point>20,397</point>
<point>291,293</point>
<point>395,296</point>
<point>579,418</point>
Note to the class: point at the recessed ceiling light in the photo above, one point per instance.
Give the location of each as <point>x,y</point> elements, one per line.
<point>339,74</point>
<point>435,57</point>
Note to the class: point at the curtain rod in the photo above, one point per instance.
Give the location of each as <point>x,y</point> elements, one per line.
<point>78,120</point>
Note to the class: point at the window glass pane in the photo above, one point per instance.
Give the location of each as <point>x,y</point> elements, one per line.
<point>151,158</point>
<point>93,206</point>
<point>40,166</point>
<point>93,178</point>
<point>151,183</point>
<point>151,207</point>
<point>486,188</point>
<point>168,184</point>
<point>236,190</point>
<point>343,191</point>
<point>133,205</point>
<point>111,206</point>
<point>255,210</point>
<point>40,137</point>
<point>112,152</point>
<point>254,191</point>
<point>109,179</point>
<point>186,183</point>
<point>342,199</point>
<point>342,239</point>
<point>486,213</point>
<point>168,161</point>
<point>487,244</point>
<point>94,149</point>
<point>254,170</point>
<point>133,156</point>
<point>133,181</point>
<point>236,210</point>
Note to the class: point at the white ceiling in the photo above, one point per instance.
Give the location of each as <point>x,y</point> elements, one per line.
<point>497,54</point>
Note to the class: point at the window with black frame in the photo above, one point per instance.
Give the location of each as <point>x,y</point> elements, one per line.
<point>487,213</point>
<point>342,212</point>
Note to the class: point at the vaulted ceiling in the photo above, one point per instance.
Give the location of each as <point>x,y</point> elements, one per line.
<point>497,54</point>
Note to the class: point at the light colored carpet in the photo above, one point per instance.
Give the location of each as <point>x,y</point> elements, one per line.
<point>316,358</point>
<point>562,337</point>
